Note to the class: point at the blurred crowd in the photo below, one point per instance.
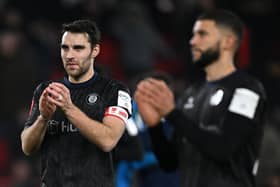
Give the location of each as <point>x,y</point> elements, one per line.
<point>138,36</point>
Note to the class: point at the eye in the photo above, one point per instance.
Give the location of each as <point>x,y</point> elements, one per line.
<point>64,47</point>
<point>79,47</point>
<point>202,33</point>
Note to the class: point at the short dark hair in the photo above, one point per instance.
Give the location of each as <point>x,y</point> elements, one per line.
<point>227,19</point>
<point>84,26</point>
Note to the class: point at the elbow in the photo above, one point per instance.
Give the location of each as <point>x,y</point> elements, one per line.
<point>24,147</point>
<point>107,149</point>
<point>27,151</point>
<point>108,146</point>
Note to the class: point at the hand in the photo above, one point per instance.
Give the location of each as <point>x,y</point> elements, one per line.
<point>60,95</point>
<point>159,95</point>
<point>46,107</point>
<point>149,114</point>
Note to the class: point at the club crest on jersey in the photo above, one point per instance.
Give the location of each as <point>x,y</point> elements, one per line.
<point>217,97</point>
<point>92,98</point>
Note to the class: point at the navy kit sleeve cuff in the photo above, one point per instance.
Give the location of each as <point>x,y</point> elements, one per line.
<point>173,115</point>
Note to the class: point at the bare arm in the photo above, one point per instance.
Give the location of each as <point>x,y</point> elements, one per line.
<point>152,95</point>
<point>234,130</point>
<point>105,134</point>
<point>32,137</point>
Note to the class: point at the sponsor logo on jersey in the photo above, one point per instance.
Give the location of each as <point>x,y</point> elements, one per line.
<point>92,98</point>
<point>190,103</point>
<point>124,100</point>
<point>55,127</point>
<point>217,97</point>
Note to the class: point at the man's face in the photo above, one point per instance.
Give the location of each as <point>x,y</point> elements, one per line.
<point>76,54</point>
<point>205,43</point>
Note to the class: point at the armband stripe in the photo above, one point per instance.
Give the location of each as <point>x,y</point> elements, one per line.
<point>117,112</point>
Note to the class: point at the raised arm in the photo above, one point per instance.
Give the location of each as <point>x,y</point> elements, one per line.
<point>33,135</point>
<point>104,134</point>
<point>162,146</point>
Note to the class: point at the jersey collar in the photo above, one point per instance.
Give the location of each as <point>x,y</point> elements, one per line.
<point>79,85</point>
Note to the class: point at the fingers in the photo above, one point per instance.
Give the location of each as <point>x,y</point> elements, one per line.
<point>44,99</point>
<point>155,90</point>
<point>56,94</point>
<point>141,97</point>
<point>46,107</point>
<point>158,84</point>
<point>59,86</point>
<point>157,94</point>
<point>57,90</point>
<point>60,95</point>
<point>151,87</point>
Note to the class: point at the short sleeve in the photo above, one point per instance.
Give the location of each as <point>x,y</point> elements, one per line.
<point>119,102</point>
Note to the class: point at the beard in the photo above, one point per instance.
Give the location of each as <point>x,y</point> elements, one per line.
<point>208,56</point>
<point>79,71</point>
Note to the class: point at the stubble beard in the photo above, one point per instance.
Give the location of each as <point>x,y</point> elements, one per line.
<point>208,57</point>
<point>79,72</point>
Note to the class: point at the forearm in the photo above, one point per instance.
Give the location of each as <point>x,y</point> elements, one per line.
<point>103,135</point>
<point>163,148</point>
<point>32,137</point>
<point>219,143</point>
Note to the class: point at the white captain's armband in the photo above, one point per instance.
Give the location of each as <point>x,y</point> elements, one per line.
<point>118,112</point>
<point>244,102</point>
<point>124,100</point>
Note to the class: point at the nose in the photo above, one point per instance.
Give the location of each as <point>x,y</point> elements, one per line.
<point>193,40</point>
<point>69,53</point>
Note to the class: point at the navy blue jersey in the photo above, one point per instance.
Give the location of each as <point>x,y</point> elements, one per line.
<point>68,158</point>
<point>218,130</point>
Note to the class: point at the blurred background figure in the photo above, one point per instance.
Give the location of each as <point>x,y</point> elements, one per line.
<point>137,165</point>
<point>21,174</point>
<point>140,43</point>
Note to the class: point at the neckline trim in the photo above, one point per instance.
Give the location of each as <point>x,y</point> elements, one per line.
<point>79,85</point>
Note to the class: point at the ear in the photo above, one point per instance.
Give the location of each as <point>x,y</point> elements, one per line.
<point>95,51</point>
<point>229,42</point>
